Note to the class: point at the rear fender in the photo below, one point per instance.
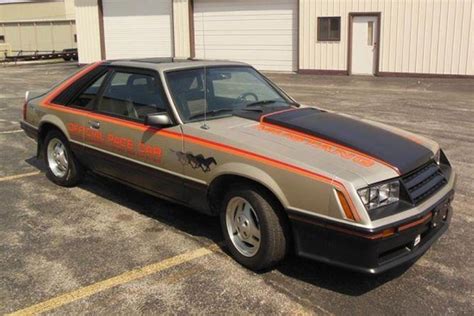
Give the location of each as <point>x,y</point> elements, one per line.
<point>49,120</point>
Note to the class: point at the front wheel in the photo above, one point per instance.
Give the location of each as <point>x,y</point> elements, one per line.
<point>62,167</point>
<point>254,228</point>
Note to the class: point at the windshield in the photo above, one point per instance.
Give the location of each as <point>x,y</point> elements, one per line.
<point>224,90</point>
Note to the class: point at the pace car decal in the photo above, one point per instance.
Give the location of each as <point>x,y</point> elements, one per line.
<point>380,144</point>
<point>319,144</point>
<point>195,161</point>
<point>112,141</point>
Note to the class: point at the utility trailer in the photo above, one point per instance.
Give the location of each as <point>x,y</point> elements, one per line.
<point>29,55</point>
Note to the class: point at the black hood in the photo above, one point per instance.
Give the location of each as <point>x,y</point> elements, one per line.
<point>396,150</point>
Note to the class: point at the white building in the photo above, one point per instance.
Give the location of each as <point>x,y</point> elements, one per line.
<point>381,37</point>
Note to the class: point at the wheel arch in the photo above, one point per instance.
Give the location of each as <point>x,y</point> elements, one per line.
<point>48,123</point>
<point>237,172</point>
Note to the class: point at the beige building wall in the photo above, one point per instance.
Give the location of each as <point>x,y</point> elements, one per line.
<point>43,26</point>
<point>31,11</point>
<point>422,36</point>
<point>41,36</point>
<point>88,31</point>
<point>182,47</point>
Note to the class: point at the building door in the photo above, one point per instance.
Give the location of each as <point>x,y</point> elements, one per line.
<point>137,29</point>
<point>261,33</point>
<point>364,45</point>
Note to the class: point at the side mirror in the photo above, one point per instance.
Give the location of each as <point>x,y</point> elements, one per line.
<point>158,120</point>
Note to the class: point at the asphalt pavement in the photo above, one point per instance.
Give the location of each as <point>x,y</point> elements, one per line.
<point>104,248</point>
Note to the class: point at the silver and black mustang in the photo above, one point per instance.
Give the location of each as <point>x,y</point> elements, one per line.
<point>223,139</point>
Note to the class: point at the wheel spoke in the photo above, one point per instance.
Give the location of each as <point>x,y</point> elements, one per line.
<point>246,209</point>
<point>253,242</point>
<point>254,232</point>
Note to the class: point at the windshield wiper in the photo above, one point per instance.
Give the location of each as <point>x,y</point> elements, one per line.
<point>263,102</point>
<point>259,103</point>
<point>210,112</point>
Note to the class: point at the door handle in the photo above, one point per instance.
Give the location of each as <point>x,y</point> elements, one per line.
<point>94,124</point>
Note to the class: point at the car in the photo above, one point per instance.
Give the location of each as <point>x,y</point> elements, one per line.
<point>221,138</point>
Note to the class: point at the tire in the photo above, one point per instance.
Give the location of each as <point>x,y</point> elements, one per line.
<point>267,217</point>
<point>64,169</point>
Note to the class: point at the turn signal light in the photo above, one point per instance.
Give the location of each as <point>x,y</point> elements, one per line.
<point>388,232</point>
<point>345,206</point>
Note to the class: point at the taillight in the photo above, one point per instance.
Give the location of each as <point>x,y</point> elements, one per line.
<point>25,105</point>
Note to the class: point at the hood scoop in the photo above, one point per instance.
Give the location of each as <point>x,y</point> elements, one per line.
<point>395,150</point>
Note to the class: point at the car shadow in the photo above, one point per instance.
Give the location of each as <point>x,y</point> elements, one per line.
<point>179,217</point>
<point>336,279</point>
<point>197,225</point>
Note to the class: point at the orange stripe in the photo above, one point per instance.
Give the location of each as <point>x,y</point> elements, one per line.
<point>210,144</point>
<point>383,234</point>
<point>415,223</point>
<point>327,142</point>
<point>68,82</point>
<point>277,112</point>
<point>380,235</point>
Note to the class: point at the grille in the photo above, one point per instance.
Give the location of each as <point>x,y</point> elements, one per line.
<point>423,182</point>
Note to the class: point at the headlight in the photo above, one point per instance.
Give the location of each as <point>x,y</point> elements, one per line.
<point>380,194</point>
<point>437,156</point>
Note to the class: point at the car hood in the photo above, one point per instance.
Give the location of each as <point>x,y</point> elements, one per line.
<point>336,145</point>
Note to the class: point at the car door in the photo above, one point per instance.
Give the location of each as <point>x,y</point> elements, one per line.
<point>79,100</point>
<point>126,149</point>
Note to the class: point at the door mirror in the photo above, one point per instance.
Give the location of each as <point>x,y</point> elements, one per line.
<point>158,120</point>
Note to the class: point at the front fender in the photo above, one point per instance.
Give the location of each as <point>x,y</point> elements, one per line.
<point>254,174</point>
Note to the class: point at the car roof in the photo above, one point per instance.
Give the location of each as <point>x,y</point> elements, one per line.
<point>168,63</point>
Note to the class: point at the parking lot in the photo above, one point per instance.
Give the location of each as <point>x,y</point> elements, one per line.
<point>105,248</point>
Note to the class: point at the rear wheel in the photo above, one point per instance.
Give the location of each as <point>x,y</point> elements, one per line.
<point>254,229</point>
<point>62,167</point>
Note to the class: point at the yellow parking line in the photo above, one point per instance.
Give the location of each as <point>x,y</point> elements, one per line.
<point>18,176</point>
<point>12,132</point>
<point>116,281</point>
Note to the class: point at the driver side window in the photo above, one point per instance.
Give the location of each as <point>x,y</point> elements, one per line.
<point>132,95</point>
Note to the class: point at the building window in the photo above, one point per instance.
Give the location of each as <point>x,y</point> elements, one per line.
<point>2,39</point>
<point>329,28</point>
<point>75,38</point>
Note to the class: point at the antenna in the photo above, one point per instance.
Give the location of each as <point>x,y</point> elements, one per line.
<point>204,125</point>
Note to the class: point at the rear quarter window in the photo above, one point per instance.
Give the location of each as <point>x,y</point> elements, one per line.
<point>65,97</point>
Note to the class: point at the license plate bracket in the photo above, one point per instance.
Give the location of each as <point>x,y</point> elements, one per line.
<point>440,214</point>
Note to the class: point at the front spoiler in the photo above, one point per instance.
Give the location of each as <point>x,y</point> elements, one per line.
<point>364,254</point>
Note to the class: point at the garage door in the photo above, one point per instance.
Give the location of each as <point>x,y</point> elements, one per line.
<point>260,32</point>
<point>139,28</point>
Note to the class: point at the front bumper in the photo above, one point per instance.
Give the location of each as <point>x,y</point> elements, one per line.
<point>372,252</point>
